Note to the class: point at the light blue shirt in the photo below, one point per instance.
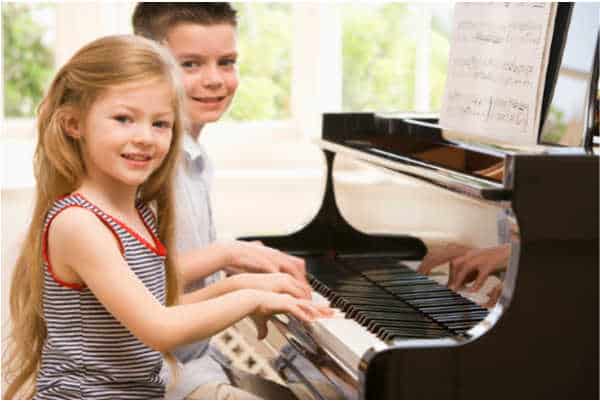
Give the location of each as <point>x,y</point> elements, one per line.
<point>195,229</point>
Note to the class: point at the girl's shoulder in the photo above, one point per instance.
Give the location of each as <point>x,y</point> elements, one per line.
<point>73,219</point>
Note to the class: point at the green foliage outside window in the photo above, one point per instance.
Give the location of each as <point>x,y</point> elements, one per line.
<point>264,43</point>
<point>28,63</point>
<point>379,57</point>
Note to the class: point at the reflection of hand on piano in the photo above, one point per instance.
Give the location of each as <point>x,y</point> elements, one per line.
<point>254,257</point>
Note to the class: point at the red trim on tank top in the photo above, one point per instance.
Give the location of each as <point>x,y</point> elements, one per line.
<point>46,256</point>
<point>159,249</point>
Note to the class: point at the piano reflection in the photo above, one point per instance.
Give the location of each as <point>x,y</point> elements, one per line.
<point>401,334</point>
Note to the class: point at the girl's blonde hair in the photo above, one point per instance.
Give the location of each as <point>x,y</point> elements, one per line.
<point>59,169</point>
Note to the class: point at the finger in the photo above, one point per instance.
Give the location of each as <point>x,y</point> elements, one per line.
<point>493,296</point>
<point>459,278</point>
<point>318,310</point>
<point>425,267</point>
<point>479,281</point>
<point>300,313</point>
<point>311,309</point>
<point>289,264</point>
<point>291,268</point>
<point>294,288</point>
<point>324,311</point>
<point>263,264</point>
<point>261,329</point>
<point>305,288</point>
<point>430,262</point>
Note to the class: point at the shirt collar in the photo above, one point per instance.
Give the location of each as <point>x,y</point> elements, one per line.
<point>191,147</point>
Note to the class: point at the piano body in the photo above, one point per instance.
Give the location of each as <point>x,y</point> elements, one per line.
<point>401,334</point>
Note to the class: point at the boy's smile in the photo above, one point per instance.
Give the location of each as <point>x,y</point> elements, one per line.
<point>207,55</point>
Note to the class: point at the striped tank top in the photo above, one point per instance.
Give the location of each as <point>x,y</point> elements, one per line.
<point>88,354</point>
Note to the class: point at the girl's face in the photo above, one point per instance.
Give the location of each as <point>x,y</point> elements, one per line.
<point>207,55</point>
<point>127,132</point>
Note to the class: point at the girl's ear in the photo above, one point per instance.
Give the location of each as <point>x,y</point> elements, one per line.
<point>71,123</point>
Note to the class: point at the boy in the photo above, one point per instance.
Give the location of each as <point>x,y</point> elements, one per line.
<point>202,37</point>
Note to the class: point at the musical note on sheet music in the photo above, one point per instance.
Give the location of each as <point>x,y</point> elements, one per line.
<point>496,70</point>
<point>508,111</point>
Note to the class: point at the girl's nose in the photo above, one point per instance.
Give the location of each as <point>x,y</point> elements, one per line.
<point>143,135</point>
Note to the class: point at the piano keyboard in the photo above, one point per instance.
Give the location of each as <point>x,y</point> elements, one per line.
<point>379,301</point>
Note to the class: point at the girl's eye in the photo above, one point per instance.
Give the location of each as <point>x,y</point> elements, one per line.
<point>162,124</point>
<point>189,64</point>
<point>123,119</point>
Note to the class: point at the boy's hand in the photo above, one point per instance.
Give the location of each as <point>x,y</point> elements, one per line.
<point>441,255</point>
<point>254,257</point>
<point>476,266</point>
<point>273,282</point>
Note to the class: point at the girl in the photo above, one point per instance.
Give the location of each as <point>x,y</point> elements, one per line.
<point>94,295</point>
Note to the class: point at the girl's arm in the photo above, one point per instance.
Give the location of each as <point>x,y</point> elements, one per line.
<point>237,256</point>
<point>93,256</point>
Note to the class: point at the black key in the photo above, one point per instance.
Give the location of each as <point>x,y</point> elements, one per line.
<point>415,289</point>
<point>440,301</point>
<point>459,317</point>
<point>353,309</point>
<point>408,325</point>
<point>405,281</point>
<point>461,326</point>
<point>413,299</point>
<point>452,308</point>
<point>407,333</point>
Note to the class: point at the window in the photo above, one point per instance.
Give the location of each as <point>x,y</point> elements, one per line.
<point>27,43</point>
<point>264,42</point>
<point>394,56</point>
<point>297,60</point>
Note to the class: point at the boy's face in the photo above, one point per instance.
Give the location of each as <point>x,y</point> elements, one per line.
<point>207,55</point>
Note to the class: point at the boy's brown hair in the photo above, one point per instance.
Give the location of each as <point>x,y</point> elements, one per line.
<point>153,20</point>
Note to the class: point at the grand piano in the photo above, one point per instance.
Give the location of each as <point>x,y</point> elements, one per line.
<point>398,333</point>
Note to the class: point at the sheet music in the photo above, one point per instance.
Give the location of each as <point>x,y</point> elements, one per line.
<point>496,71</point>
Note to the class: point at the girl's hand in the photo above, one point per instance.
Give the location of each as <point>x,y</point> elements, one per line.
<point>271,303</point>
<point>281,283</point>
<point>254,257</point>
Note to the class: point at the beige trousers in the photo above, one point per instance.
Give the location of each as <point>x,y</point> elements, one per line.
<point>245,386</point>
<point>220,391</point>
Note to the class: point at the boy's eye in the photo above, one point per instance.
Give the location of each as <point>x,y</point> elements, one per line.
<point>123,119</point>
<point>228,62</point>
<point>163,124</point>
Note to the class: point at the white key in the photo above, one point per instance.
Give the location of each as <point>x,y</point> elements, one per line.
<point>344,338</point>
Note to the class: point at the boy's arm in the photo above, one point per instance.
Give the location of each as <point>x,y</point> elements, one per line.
<point>94,256</point>
<point>274,282</point>
<point>237,256</point>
